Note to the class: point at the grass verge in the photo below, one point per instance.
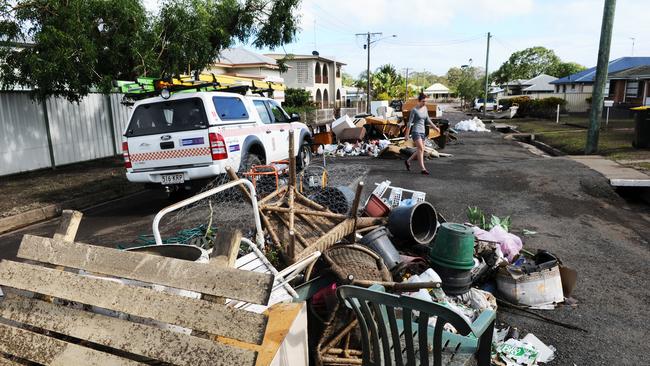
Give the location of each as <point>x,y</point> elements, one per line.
<point>615,142</point>
<point>27,191</point>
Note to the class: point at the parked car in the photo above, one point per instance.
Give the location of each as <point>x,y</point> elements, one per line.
<point>491,104</point>
<point>189,138</point>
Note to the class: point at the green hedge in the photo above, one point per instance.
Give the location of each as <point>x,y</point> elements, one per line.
<point>544,108</point>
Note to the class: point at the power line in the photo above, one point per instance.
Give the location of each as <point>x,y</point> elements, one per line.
<point>439,43</point>
<point>338,20</point>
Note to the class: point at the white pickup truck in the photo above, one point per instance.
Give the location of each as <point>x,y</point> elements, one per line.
<point>189,138</point>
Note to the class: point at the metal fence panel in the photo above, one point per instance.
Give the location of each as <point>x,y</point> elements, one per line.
<point>23,136</point>
<point>80,131</point>
<point>121,114</point>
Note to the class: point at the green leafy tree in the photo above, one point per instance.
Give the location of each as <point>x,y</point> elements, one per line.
<point>565,69</point>
<point>76,45</point>
<point>466,82</point>
<point>347,79</point>
<point>526,64</point>
<point>294,97</point>
<point>425,79</point>
<point>387,82</point>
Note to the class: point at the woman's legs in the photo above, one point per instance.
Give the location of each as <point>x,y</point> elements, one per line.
<point>419,144</point>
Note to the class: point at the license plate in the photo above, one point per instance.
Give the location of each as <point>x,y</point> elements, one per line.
<point>172,179</point>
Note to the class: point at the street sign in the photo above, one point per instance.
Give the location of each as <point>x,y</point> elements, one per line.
<point>608,103</point>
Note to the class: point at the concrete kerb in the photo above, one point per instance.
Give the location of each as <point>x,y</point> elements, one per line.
<point>34,216</point>
<point>529,138</point>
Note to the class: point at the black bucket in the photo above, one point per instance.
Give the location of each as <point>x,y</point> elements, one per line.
<point>417,222</point>
<point>455,282</point>
<point>380,243</point>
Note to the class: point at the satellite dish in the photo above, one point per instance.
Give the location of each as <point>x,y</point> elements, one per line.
<point>315,53</point>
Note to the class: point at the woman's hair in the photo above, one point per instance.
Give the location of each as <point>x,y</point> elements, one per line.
<point>421,97</point>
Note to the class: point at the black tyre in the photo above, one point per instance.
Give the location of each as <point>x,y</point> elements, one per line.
<point>248,161</point>
<point>178,194</point>
<point>304,157</point>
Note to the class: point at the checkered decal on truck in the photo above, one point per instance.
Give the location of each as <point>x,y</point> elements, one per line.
<point>171,154</point>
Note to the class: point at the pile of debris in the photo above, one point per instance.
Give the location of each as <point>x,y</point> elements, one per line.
<point>318,242</point>
<point>368,135</point>
<point>398,240</point>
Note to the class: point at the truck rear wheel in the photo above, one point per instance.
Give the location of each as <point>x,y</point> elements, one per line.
<point>248,161</point>
<point>304,157</point>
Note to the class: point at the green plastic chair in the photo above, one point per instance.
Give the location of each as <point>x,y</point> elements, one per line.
<point>386,340</point>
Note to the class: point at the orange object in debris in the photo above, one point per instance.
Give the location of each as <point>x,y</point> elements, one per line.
<point>275,168</point>
<point>432,108</point>
<point>376,207</point>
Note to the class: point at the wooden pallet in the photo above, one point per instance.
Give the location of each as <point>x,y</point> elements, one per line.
<point>37,329</point>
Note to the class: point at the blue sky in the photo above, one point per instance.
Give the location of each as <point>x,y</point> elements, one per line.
<point>435,35</point>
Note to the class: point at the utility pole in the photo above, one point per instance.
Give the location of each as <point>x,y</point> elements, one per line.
<point>487,59</point>
<point>597,95</point>
<point>367,47</point>
<point>406,86</point>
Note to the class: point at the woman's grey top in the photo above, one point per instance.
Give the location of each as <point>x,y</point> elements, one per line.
<point>417,119</point>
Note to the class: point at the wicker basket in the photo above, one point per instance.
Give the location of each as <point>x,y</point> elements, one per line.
<point>357,261</point>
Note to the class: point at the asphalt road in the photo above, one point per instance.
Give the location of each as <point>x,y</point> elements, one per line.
<point>574,212</point>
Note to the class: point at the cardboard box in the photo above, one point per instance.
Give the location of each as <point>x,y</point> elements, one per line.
<point>352,135</point>
<point>323,138</point>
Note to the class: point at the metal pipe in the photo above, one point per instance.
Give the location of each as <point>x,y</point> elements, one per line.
<point>259,235</point>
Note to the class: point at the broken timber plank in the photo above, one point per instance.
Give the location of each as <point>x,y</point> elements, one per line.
<point>226,247</point>
<point>149,341</point>
<point>50,351</point>
<point>177,273</point>
<point>224,254</point>
<point>69,225</point>
<point>6,362</point>
<point>173,309</point>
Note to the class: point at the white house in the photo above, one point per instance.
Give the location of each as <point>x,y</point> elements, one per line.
<point>353,94</point>
<point>319,75</point>
<point>244,63</point>
<point>539,84</point>
<point>437,91</point>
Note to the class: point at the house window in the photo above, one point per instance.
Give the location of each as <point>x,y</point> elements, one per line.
<point>632,89</point>
<point>302,72</point>
<point>573,86</point>
<point>564,88</point>
<point>319,98</point>
<point>318,73</point>
<point>338,71</point>
<point>325,73</point>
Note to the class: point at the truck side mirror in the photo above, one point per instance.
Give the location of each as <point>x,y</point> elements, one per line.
<point>295,117</point>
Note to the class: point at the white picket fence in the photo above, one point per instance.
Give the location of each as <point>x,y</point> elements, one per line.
<point>34,136</point>
<point>576,102</point>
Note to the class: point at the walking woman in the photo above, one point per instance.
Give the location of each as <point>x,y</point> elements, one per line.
<point>415,130</point>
